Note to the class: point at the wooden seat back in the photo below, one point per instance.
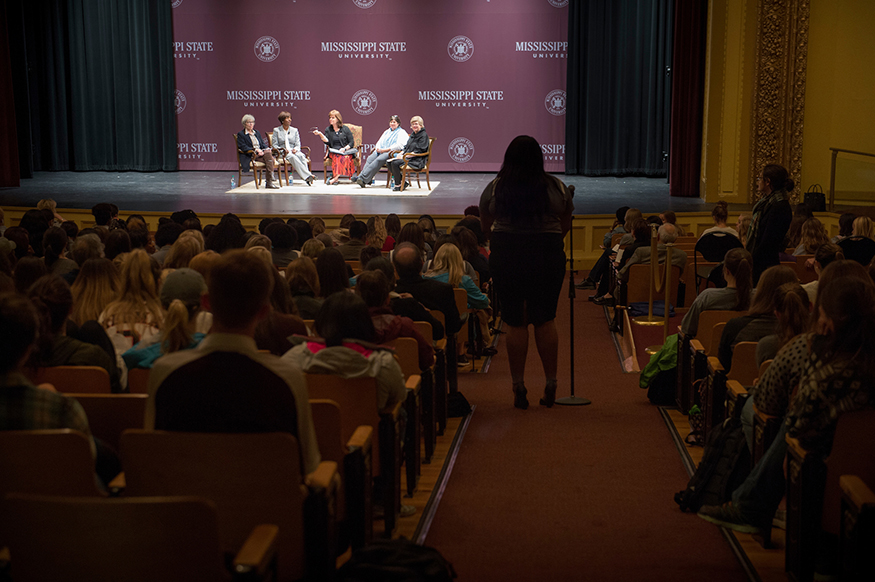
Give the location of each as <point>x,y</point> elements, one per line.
<point>407,355</point>
<point>853,453</point>
<point>109,415</point>
<point>707,321</point>
<point>75,379</point>
<point>638,285</point>
<point>804,273</point>
<point>138,380</point>
<point>172,539</point>
<point>744,363</point>
<point>251,478</point>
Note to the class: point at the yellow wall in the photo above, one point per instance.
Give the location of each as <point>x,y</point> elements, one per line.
<point>839,88</point>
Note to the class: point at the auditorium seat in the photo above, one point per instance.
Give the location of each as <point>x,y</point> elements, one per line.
<point>109,415</point>
<point>74,379</point>
<point>407,354</point>
<point>354,465</point>
<point>857,561</point>
<point>252,479</point>
<point>438,376</point>
<point>172,539</point>
<point>356,398</point>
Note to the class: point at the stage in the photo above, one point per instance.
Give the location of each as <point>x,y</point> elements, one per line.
<point>208,192</point>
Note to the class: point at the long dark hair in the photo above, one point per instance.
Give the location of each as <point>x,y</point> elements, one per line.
<point>739,263</point>
<point>344,316</point>
<point>331,269</point>
<point>849,302</point>
<point>521,189</point>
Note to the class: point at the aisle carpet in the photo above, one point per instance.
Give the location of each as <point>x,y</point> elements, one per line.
<point>572,493</point>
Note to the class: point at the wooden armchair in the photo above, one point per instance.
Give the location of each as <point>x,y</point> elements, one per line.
<point>74,379</point>
<point>354,458</point>
<point>257,167</point>
<point>252,479</point>
<point>813,490</point>
<point>357,158</point>
<point>281,163</point>
<point>357,399</point>
<point>172,539</point>
<point>109,415</point>
<point>406,169</point>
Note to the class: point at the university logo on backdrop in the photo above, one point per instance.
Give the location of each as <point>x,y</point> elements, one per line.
<point>196,151</point>
<point>191,49</point>
<point>555,102</point>
<point>364,49</point>
<point>461,97</point>
<point>543,49</point>
<point>268,97</point>
<point>461,150</point>
<point>180,101</point>
<point>364,4</point>
<point>267,49</point>
<point>558,3</point>
<point>176,3</point>
<point>553,152</point>
<point>460,49</point>
<point>364,102</point>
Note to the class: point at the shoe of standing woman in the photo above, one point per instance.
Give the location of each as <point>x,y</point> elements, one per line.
<point>549,394</point>
<point>519,396</point>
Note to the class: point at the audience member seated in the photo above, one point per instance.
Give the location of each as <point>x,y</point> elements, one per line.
<point>600,269</point>
<point>801,213</point>
<point>792,312</point>
<point>720,214</point>
<point>811,236</point>
<point>433,294</point>
<point>412,233</point>
<point>27,271</point>
<point>846,226</point>
<point>448,267</point>
<point>24,406</point>
<point>303,280</point>
<point>283,239</point>
<point>760,320</point>
<point>204,262</point>
<point>136,314</point>
<point>405,305</point>
<point>346,348</point>
<point>302,229</point>
<point>183,251</point>
<point>837,377</point>
<point>312,248</point>
<point>86,246</point>
<point>52,206</point>
<point>226,235</point>
<point>373,288</point>
<point>225,384</point>
<point>737,270</point>
<point>669,217</point>
<point>377,235</point>
<point>743,226</point>
<point>273,332</point>
<point>55,249</point>
<point>358,233</point>
<point>466,240</point>
<point>825,254</point>
<point>860,246</point>
<point>334,273</point>
<point>36,223</point>
<point>53,301</point>
<point>181,296</point>
<point>393,226</point>
<point>118,242</point>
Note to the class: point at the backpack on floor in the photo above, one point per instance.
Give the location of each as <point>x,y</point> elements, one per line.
<point>396,561</point>
<point>725,465</point>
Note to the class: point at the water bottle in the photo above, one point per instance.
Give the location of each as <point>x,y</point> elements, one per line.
<point>233,181</point>
<point>392,183</point>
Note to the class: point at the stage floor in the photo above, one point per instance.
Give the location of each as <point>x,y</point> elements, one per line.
<point>207,192</point>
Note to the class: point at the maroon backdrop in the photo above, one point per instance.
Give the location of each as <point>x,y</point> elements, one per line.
<point>479,72</point>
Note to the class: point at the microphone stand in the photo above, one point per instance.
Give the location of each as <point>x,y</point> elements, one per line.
<point>572,294</point>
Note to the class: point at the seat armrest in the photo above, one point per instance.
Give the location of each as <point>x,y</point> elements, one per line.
<point>392,412</point>
<point>361,439</point>
<point>735,388</point>
<point>795,447</point>
<point>323,477</point>
<point>856,490</point>
<point>258,555</point>
<point>714,364</point>
<point>117,485</point>
<point>696,345</point>
<point>414,381</point>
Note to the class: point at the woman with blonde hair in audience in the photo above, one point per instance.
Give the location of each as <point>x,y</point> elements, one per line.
<point>760,320</point>
<point>377,235</point>
<point>195,234</point>
<point>863,226</point>
<point>303,281</point>
<point>737,269</point>
<point>182,252</point>
<point>811,236</point>
<point>448,267</point>
<point>258,240</point>
<point>720,214</point>
<point>317,225</point>
<point>203,262</point>
<point>742,225</point>
<point>181,296</point>
<point>136,315</point>
<point>49,204</point>
<point>96,286</point>
<point>312,248</point>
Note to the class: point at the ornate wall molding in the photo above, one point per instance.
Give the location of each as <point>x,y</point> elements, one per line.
<point>778,104</point>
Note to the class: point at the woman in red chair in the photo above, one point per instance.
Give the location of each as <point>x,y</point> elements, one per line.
<point>341,146</point>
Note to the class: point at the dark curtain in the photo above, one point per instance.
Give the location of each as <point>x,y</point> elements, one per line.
<point>687,96</point>
<point>96,83</point>
<point>9,170</point>
<point>619,89</point>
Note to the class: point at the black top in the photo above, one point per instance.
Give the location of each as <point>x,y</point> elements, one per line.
<point>338,139</point>
<point>434,294</point>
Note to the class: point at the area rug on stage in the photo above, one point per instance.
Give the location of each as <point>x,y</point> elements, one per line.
<point>343,188</point>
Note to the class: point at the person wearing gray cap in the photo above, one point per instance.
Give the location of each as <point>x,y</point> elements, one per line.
<point>181,297</point>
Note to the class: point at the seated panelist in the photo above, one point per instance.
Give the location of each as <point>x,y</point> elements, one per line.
<point>341,146</point>
<point>393,140</point>
<point>253,146</point>
<point>287,139</point>
<point>417,144</point>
